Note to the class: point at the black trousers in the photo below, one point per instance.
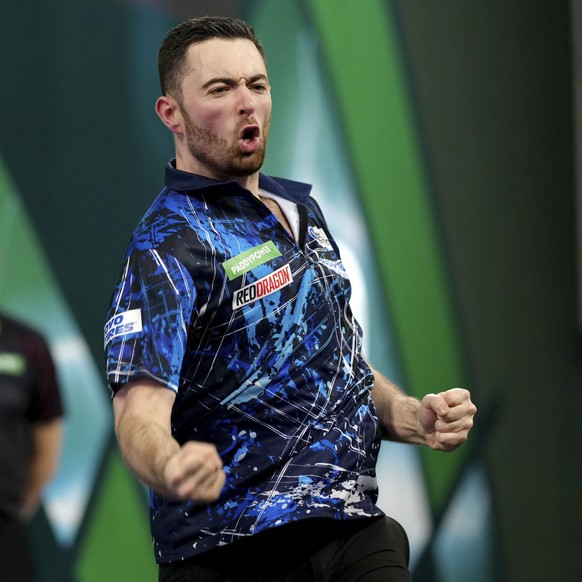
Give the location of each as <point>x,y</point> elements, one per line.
<point>316,550</point>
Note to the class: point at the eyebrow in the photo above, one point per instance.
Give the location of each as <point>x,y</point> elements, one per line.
<point>231,82</point>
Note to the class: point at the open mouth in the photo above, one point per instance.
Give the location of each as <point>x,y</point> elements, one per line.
<point>250,133</point>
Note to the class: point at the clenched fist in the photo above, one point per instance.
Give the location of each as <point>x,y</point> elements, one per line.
<point>195,472</point>
<point>447,418</point>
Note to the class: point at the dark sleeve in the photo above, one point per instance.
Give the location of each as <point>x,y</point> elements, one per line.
<point>45,401</point>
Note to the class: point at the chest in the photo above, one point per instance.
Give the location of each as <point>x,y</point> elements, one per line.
<point>249,270</point>
<point>14,383</point>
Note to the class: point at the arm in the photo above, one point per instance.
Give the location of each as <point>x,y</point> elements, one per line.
<point>441,421</point>
<point>142,424</point>
<point>46,444</point>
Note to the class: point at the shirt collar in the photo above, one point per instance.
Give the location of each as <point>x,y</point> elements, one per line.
<point>185,181</point>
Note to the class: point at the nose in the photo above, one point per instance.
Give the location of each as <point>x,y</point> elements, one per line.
<point>246,101</point>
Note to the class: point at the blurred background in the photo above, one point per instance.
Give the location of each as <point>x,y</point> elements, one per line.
<point>440,139</point>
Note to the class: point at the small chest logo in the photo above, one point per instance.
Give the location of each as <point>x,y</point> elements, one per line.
<point>249,259</point>
<point>12,364</point>
<point>319,235</point>
<point>263,287</point>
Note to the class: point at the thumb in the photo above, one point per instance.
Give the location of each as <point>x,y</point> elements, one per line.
<point>436,403</point>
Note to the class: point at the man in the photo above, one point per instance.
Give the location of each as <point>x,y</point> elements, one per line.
<point>241,395</point>
<point>31,435</point>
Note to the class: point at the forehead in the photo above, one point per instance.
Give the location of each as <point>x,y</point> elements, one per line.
<point>233,58</point>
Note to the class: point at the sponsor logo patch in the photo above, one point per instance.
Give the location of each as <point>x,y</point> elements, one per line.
<point>123,324</point>
<point>319,235</point>
<point>263,287</point>
<point>250,259</point>
<point>12,364</point>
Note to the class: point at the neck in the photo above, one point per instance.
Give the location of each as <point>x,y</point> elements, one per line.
<point>251,183</point>
<point>186,164</point>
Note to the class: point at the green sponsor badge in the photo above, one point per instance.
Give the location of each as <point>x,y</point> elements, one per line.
<point>250,259</point>
<point>12,364</point>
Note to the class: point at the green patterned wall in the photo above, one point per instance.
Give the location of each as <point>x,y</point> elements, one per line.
<point>386,153</point>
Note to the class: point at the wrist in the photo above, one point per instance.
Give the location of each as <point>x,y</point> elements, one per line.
<point>409,425</point>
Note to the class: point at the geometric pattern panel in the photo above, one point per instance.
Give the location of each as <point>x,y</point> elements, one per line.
<point>110,550</point>
<point>29,291</point>
<point>374,108</point>
<point>464,546</point>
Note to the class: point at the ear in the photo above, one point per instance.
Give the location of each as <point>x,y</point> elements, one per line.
<point>169,112</point>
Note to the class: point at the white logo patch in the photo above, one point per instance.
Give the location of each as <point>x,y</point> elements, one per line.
<point>123,324</point>
<point>263,287</point>
<point>319,235</point>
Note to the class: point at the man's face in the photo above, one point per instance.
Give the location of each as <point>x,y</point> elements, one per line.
<point>226,105</point>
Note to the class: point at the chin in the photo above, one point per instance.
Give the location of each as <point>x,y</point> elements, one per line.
<point>249,166</point>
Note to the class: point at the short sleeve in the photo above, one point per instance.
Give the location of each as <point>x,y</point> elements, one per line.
<point>45,401</point>
<point>146,329</point>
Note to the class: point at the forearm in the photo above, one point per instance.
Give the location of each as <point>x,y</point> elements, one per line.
<point>32,496</point>
<point>143,428</point>
<point>398,413</point>
<point>146,448</point>
<point>47,438</point>
<point>441,421</point>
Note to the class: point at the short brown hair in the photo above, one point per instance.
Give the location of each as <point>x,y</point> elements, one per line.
<point>172,53</point>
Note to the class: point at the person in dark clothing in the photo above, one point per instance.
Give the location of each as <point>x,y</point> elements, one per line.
<point>31,413</point>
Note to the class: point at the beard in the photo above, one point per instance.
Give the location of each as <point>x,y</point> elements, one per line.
<point>220,158</point>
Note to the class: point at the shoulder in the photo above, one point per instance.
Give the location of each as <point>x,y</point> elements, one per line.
<point>167,216</point>
<point>18,328</point>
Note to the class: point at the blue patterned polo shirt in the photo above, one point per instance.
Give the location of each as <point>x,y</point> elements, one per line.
<point>252,328</point>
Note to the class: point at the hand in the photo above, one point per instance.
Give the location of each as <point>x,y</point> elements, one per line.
<point>195,472</point>
<point>447,418</point>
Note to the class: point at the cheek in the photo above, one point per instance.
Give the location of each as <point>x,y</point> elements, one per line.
<point>215,117</point>
<point>267,106</point>
<point>208,118</point>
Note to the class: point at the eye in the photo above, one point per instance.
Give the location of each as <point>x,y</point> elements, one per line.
<point>259,87</point>
<point>219,90</point>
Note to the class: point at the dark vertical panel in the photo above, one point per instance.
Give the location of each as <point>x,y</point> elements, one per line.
<point>493,88</point>
<point>576,12</point>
